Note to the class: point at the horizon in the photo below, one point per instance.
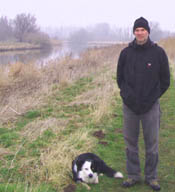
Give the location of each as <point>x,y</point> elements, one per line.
<point>84,13</point>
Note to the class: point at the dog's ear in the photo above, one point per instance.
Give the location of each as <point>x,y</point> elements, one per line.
<point>96,166</point>
<point>79,164</point>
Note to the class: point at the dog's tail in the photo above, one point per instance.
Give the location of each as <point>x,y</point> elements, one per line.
<point>118,175</point>
<point>111,172</point>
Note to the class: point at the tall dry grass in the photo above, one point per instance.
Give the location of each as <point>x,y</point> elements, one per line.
<point>57,160</point>
<point>28,86</point>
<point>169,45</point>
<point>18,86</point>
<point>4,79</point>
<point>23,86</point>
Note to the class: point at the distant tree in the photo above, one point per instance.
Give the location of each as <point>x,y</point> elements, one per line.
<point>24,24</point>
<point>81,37</point>
<point>39,38</point>
<point>102,31</point>
<point>156,32</point>
<point>6,30</point>
<point>79,40</point>
<point>124,34</point>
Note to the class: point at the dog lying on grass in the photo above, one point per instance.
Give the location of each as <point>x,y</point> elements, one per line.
<point>87,167</point>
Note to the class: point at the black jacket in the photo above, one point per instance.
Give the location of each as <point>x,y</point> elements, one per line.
<point>142,75</point>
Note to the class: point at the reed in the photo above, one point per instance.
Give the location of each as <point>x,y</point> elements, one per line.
<point>169,45</point>
<point>21,84</point>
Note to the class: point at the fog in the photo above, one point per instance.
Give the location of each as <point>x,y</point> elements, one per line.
<point>109,19</point>
<point>76,13</point>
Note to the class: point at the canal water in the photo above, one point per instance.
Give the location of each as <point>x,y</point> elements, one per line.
<point>41,56</point>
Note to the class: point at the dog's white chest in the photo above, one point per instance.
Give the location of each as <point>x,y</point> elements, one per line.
<point>87,179</point>
<point>86,173</point>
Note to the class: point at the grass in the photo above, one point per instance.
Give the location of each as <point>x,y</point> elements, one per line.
<point>7,137</point>
<point>26,187</point>
<point>37,147</point>
<point>168,45</point>
<point>14,176</point>
<point>33,138</point>
<point>23,87</point>
<point>10,46</point>
<point>114,152</point>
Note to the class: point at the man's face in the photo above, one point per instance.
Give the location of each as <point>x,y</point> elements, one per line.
<point>141,34</point>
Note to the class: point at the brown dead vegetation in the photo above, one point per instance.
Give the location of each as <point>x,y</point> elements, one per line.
<point>23,86</point>
<point>36,128</point>
<point>169,44</point>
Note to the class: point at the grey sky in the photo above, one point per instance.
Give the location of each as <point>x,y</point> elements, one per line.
<point>121,13</point>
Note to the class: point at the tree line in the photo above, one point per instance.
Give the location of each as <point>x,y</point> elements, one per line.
<point>104,32</point>
<point>22,28</point>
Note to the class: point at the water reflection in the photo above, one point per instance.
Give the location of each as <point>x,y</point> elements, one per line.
<point>26,56</point>
<point>42,56</point>
<point>76,49</point>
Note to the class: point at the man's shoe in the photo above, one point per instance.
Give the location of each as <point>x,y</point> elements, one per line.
<point>153,184</point>
<point>130,182</point>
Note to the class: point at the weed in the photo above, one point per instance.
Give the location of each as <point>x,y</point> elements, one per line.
<point>32,114</point>
<point>40,145</point>
<point>72,91</point>
<point>8,138</point>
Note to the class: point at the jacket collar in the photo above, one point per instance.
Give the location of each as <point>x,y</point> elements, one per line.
<point>146,45</point>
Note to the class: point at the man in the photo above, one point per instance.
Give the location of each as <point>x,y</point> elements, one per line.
<point>142,76</point>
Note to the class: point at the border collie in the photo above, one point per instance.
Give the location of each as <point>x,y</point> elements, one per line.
<point>87,167</point>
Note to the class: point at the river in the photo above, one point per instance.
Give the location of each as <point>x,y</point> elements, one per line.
<point>41,56</point>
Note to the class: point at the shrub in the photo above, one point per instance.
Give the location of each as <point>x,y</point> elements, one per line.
<point>39,38</point>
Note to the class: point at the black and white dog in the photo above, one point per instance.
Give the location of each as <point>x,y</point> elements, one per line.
<point>87,167</point>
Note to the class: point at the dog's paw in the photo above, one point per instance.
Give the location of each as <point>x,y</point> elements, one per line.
<point>96,180</point>
<point>87,186</point>
<point>118,175</point>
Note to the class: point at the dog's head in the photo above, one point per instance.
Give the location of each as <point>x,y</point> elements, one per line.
<point>87,171</point>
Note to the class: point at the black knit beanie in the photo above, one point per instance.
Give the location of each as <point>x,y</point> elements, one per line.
<point>141,22</point>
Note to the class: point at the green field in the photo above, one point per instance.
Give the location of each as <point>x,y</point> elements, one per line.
<point>36,148</point>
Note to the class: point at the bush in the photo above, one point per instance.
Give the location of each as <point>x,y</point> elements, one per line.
<point>39,38</point>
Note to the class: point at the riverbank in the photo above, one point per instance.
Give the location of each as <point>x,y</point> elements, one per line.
<point>22,84</point>
<point>50,115</point>
<point>111,147</point>
<point>51,112</point>
<point>16,46</point>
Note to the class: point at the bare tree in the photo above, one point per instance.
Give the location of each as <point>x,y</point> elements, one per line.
<point>79,37</point>
<point>39,38</point>
<point>156,32</point>
<point>24,24</point>
<point>101,31</point>
<point>78,40</point>
<point>6,30</point>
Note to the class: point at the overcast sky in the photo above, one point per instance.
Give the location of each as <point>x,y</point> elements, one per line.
<point>121,13</point>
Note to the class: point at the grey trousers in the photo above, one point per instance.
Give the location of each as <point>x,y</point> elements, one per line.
<point>150,123</point>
